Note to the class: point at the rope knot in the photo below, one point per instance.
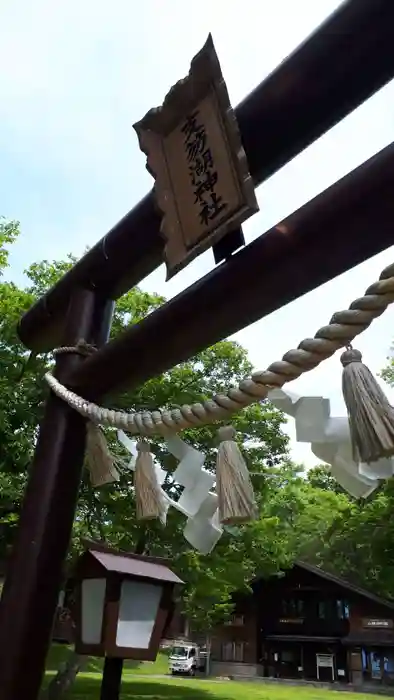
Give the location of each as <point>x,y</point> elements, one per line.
<point>84,348</point>
<point>351,355</point>
<point>80,348</point>
<point>143,446</point>
<point>227,432</point>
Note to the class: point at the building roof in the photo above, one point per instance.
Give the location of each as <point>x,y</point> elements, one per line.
<point>345,584</point>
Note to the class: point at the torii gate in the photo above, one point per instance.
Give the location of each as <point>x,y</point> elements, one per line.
<point>313,89</point>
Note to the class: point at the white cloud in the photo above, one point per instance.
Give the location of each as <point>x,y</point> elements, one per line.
<point>80,73</point>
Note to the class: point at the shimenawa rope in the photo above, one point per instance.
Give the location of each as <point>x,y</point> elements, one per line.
<point>371,418</point>
<point>342,329</point>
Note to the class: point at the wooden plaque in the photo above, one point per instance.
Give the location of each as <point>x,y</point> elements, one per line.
<point>203,187</point>
<point>377,623</point>
<point>291,621</point>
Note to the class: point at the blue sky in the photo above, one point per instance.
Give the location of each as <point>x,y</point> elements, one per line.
<point>76,75</point>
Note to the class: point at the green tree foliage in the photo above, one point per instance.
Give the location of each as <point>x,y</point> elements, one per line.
<point>294,511</point>
<point>387,372</point>
<point>359,544</point>
<point>305,512</point>
<point>320,477</point>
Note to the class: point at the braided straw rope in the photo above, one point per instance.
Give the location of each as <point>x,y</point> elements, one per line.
<point>342,329</point>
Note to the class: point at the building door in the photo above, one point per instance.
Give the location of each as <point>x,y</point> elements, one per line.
<point>372,664</point>
<point>378,665</point>
<point>285,662</point>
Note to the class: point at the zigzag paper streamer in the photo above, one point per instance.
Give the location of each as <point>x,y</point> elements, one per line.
<point>329,438</point>
<point>197,502</point>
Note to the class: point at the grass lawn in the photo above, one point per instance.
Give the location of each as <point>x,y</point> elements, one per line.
<point>87,687</point>
<point>60,652</point>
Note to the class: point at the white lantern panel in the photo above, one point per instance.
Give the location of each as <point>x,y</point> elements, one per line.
<point>138,608</point>
<point>93,597</point>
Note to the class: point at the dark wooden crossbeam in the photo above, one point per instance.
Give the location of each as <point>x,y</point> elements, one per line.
<point>343,226</point>
<point>342,64</point>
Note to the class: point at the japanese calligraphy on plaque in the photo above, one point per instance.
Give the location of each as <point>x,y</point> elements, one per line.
<point>203,188</point>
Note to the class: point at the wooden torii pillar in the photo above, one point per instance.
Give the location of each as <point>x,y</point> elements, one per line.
<point>316,87</point>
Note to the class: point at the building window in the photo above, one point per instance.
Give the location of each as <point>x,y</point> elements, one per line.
<point>292,607</point>
<point>322,609</point>
<point>342,609</point>
<point>233,651</point>
<point>236,620</point>
<point>388,662</point>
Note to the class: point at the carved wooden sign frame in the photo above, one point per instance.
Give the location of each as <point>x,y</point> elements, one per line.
<point>203,187</point>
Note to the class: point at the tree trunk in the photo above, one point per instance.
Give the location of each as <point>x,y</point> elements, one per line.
<point>64,678</point>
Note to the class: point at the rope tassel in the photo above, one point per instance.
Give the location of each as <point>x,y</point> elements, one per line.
<point>233,484</point>
<point>148,497</point>
<point>100,462</point>
<point>371,417</point>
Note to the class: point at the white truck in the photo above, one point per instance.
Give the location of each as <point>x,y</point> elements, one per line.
<point>186,658</point>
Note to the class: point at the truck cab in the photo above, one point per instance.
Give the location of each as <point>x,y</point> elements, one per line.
<point>184,658</point>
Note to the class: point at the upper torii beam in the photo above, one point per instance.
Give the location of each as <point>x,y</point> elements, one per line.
<point>340,228</point>
<point>339,66</point>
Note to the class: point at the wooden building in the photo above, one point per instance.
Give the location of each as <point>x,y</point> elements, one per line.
<point>2,575</point>
<point>308,625</point>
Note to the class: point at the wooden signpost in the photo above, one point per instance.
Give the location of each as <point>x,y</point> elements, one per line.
<point>307,94</point>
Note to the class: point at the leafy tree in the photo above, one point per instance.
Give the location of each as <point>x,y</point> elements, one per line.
<point>20,397</point>
<point>320,477</point>
<point>109,513</point>
<point>295,511</point>
<point>305,512</point>
<point>360,542</point>
<point>387,372</point>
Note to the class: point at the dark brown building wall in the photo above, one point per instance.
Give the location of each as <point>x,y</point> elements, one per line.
<point>362,611</point>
